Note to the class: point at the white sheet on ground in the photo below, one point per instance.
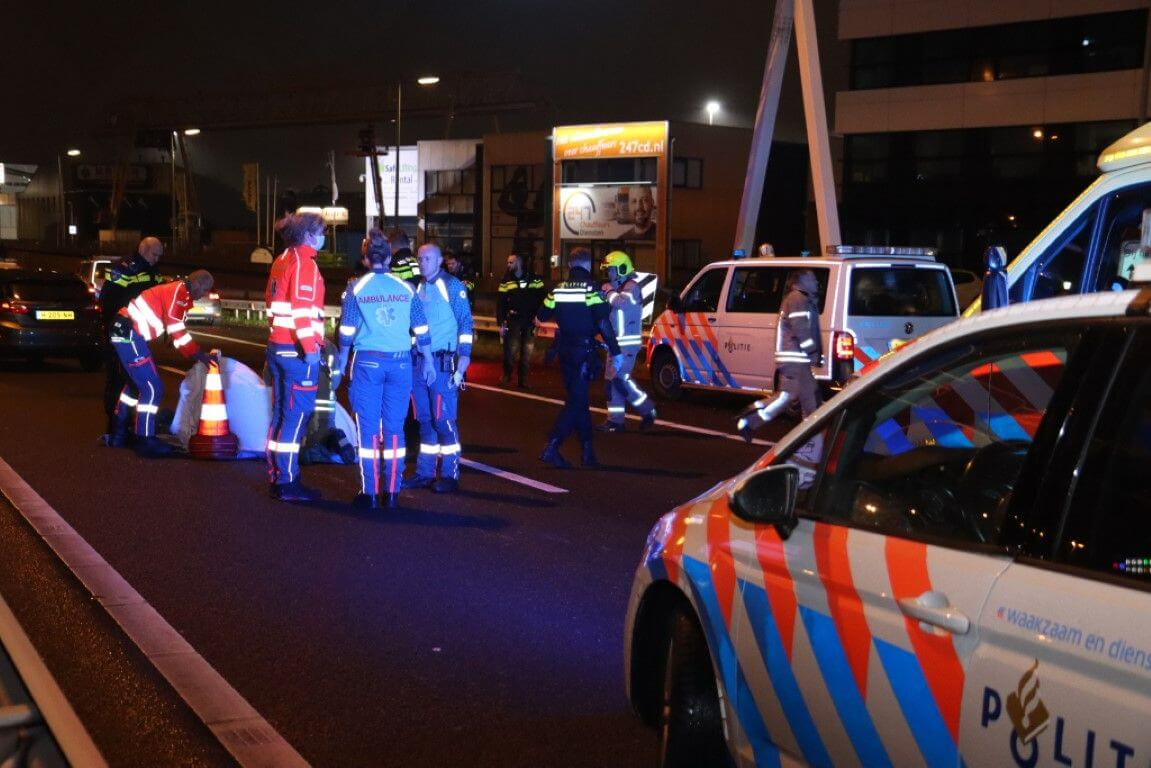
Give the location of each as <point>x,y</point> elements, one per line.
<point>249,404</point>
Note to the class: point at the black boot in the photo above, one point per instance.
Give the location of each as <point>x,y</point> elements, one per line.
<point>390,500</point>
<point>551,455</point>
<point>588,458</point>
<point>366,501</point>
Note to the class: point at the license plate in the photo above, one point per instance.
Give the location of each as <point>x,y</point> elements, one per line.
<point>55,314</point>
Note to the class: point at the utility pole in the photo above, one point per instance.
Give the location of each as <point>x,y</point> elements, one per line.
<point>399,115</point>
<point>789,15</point>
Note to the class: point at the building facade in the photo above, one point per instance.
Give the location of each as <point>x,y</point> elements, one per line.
<point>973,122</point>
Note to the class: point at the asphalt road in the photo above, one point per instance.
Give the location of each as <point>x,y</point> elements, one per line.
<point>480,629</point>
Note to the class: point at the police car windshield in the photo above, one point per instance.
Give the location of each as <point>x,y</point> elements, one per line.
<point>900,292</point>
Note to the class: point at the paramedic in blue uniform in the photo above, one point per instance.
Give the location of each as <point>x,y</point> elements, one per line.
<point>445,301</point>
<point>381,314</point>
<point>581,314</point>
<point>798,346</point>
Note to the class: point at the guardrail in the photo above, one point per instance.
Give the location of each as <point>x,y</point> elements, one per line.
<point>254,310</point>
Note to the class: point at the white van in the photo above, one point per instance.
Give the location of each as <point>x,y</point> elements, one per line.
<point>1095,243</point>
<point>719,333</point>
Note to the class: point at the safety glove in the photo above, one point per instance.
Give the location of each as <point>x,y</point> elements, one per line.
<point>461,367</point>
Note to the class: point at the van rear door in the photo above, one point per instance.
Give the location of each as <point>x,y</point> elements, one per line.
<point>891,304</point>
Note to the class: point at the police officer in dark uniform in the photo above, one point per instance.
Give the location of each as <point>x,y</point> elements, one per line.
<point>581,313</point>
<point>127,280</point>
<point>798,346</point>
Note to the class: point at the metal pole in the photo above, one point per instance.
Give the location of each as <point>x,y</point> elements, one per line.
<point>259,219</point>
<point>1143,96</point>
<point>815,110</point>
<point>173,196</point>
<point>399,115</point>
<point>60,226</point>
<point>764,125</point>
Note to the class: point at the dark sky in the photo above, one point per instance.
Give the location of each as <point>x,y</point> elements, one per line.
<point>67,64</point>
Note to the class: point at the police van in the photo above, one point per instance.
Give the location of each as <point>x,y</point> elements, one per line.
<point>948,564</point>
<point>719,333</point>
<point>1096,242</point>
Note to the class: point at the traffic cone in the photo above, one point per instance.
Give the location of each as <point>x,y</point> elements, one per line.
<point>213,440</point>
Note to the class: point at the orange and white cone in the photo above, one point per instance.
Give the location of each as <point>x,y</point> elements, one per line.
<point>213,440</point>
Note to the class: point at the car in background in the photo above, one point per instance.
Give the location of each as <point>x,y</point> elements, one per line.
<point>94,272</point>
<point>205,309</point>
<point>947,564</point>
<point>968,286</point>
<point>49,314</point>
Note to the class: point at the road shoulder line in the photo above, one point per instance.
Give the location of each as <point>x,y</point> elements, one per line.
<point>539,485</point>
<point>250,739</point>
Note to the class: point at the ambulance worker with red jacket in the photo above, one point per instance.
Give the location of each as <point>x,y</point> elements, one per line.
<point>156,311</point>
<point>295,299</point>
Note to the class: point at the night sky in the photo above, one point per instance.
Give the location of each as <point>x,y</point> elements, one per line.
<point>68,64</point>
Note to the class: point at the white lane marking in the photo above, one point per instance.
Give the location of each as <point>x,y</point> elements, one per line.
<point>261,344</point>
<point>238,726</point>
<point>45,694</point>
<point>506,475</point>
<point>632,416</point>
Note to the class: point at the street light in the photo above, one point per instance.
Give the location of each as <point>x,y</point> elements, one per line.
<point>191,131</point>
<point>423,80</point>
<point>73,153</point>
<point>712,107</point>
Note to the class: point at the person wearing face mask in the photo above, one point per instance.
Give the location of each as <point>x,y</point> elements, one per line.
<point>445,301</point>
<point>295,300</point>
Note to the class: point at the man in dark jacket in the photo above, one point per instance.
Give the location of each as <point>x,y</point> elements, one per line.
<point>798,346</point>
<point>581,314</point>
<point>127,280</point>
<point>520,296</point>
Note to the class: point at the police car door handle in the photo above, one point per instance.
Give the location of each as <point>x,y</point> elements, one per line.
<point>932,609</point>
<point>710,318</point>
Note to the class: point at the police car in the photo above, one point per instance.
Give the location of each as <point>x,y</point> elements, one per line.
<point>948,564</point>
<point>720,332</point>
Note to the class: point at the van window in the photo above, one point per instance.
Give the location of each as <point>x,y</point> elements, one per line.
<point>900,292</point>
<point>761,289</point>
<point>1122,237</point>
<point>703,296</point>
<point>1059,270</point>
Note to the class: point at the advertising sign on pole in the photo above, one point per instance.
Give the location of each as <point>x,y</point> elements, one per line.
<point>409,183</point>
<point>609,212</point>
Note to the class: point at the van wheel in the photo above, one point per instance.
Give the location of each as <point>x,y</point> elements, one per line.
<point>691,720</point>
<point>665,378</point>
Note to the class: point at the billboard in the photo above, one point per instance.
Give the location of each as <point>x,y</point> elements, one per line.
<point>409,182</point>
<point>609,212</point>
<point>589,142</point>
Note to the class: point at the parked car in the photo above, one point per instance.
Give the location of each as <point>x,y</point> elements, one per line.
<point>947,564</point>
<point>968,286</point>
<point>719,333</point>
<point>48,314</point>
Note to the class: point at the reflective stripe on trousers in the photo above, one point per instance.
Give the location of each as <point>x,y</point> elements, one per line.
<point>380,391</point>
<point>293,400</point>
<point>436,408</point>
<point>622,389</point>
<point>143,389</point>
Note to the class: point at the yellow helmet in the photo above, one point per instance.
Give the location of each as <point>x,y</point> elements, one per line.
<point>620,261</point>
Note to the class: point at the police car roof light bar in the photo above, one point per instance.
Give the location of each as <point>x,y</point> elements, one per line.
<point>871,251</point>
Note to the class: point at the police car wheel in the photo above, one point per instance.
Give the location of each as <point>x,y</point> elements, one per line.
<point>691,719</point>
<point>665,378</point>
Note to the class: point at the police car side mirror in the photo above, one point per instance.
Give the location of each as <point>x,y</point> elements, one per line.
<point>768,497</point>
<point>675,303</point>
